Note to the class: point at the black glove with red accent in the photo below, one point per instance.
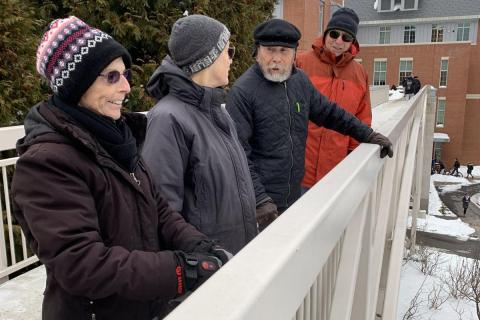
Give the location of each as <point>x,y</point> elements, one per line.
<point>266,213</point>
<point>211,247</point>
<point>384,143</point>
<point>193,269</point>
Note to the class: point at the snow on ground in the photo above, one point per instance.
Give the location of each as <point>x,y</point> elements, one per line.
<point>412,279</point>
<point>395,95</point>
<point>455,228</point>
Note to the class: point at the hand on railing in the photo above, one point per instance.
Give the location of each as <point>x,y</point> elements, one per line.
<point>385,144</point>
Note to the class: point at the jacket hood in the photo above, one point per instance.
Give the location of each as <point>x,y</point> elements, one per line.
<point>318,47</point>
<point>170,79</point>
<point>46,123</point>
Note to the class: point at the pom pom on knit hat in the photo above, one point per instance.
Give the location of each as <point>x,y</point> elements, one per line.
<point>72,54</point>
<point>196,41</point>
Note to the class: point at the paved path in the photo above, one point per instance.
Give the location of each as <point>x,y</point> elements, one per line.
<point>453,200</point>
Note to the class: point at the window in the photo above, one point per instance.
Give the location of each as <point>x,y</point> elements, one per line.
<point>437,33</point>
<point>380,72</point>
<point>409,34</point>
<point>437,150</point>
<point>410,4</point>
<point>441,112</point>
<point>443,72</point>
<point>406,66</point>
<point>463,30</point>
<point>384,35</point>
<point>386,5</point>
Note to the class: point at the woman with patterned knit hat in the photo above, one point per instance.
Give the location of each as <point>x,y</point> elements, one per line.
<point>111,245</point>
<point>191,143</point>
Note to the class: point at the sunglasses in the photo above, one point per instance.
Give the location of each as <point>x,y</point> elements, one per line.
<point>114,75</point>
<point>334,34</point>
<point>231,52</point>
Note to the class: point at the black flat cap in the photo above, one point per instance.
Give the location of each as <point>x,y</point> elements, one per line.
<point>277,32</point>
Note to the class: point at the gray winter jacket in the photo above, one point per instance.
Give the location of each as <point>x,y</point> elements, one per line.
<point>193,150</point>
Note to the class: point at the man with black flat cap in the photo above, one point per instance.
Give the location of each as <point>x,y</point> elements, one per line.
<point>271,104</point>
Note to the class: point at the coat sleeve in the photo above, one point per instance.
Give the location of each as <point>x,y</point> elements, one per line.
<point>363,113</point>
<point>166,151</point>
<point>327,114</point>
<point>241,111</point>
<point>59,215</point>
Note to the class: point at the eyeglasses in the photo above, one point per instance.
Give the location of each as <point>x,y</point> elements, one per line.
<point>334,34</point>
<point>231,52</point>
<point>114,75</point>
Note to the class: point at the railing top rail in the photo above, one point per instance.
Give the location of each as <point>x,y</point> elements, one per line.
<point>291,251</point>
<point>9,137</point>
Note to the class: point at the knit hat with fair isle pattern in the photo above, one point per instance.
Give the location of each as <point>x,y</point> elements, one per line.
<point>72,54</point>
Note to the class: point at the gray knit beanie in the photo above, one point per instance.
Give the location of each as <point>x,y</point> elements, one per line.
<point>196,42</point>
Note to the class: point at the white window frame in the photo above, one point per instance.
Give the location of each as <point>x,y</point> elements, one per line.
<point>386,31</point>
<point>440,114</point>
<point>379,71</point>
<point>463,26</point>
<point>438,31</point>
<point>415,6</point>
<point>392,5</point>
<point>413,29</point>
<point>407,73</point>
<point>443,71</point>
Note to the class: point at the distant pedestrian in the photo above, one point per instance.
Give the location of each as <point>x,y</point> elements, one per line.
<point>470,169</point>
<point>465,202</point>
<point>456,166</point>
<point>407,84</point>
<point>417,85</point>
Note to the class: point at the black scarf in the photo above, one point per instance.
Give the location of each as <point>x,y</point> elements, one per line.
<point>115,136</point>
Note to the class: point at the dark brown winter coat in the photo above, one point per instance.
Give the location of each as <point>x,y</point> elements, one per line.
<point>98,229</point>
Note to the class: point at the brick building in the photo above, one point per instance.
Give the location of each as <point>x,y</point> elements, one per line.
<point>436,40</point>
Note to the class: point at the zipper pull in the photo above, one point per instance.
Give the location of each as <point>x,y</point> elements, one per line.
<point>132,174</point>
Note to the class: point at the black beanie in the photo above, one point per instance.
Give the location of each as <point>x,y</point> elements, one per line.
<point>72,54</point>
<point>344,19</point>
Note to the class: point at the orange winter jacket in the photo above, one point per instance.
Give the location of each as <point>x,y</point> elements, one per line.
<point>344,81</point>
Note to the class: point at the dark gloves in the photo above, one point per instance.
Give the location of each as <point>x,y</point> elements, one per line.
<point>193,269</point>
<point>266,212</point>
<point>210,247</point>
<point>385,144</point>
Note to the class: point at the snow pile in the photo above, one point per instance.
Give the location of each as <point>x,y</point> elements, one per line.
<point>412,279</point>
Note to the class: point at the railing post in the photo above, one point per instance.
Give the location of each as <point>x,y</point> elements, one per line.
<point>429,124</point>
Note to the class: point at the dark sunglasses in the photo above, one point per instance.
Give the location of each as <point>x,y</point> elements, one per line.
<point>114,76</point>
<point>231,52</point>
<point>334,34</point>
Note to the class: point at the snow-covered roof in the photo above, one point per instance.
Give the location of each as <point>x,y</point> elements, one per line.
<point>426,9</point>
<point>440,137</point>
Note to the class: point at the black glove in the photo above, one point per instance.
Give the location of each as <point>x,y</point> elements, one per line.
<point>193,269</point>
<point>385,144</point>
<point>266,213</point>
<point>211,247</point>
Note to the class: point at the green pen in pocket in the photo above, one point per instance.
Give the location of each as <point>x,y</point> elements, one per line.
<point>298,106</point>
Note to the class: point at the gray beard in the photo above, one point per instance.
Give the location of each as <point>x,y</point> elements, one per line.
<point>276,77</point>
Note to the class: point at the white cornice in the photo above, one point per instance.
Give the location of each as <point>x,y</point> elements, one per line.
<point>418,20</point>
<point>413,44</point>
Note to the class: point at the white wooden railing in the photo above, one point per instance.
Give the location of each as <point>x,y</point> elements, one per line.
<point>9,260</point>
<point>336,253</point>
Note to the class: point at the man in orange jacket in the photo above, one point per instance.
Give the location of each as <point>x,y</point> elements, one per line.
<point>331,67</point>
